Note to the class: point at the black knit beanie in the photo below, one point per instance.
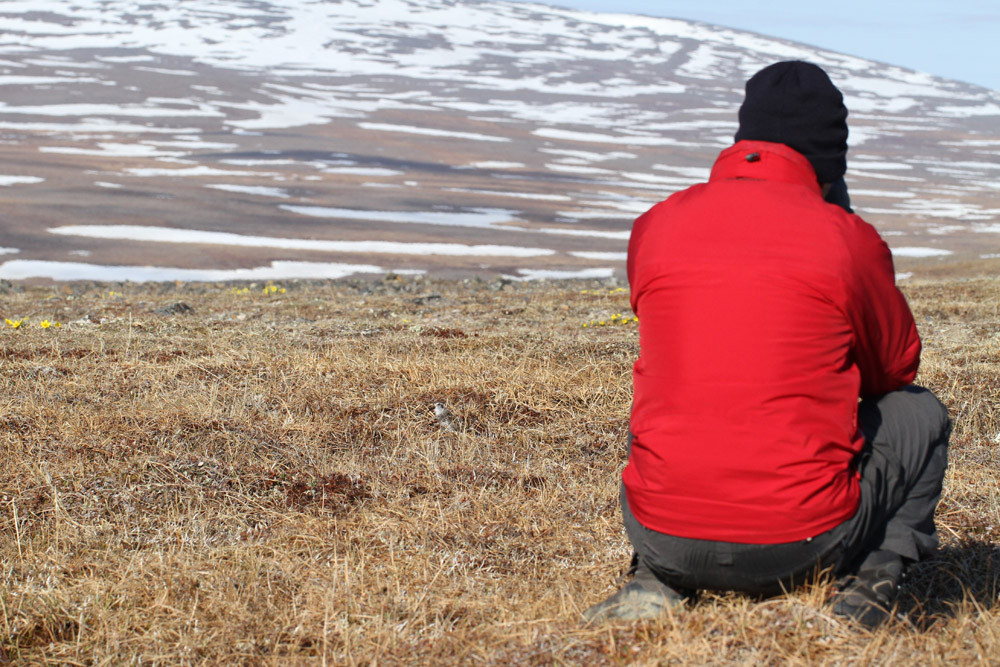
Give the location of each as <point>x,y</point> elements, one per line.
<point>795,103</point>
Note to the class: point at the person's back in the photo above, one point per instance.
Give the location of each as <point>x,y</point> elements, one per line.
<point>746,389</point>
<point>766,313</point>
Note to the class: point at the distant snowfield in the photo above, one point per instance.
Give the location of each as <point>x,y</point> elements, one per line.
<point>443,41</point>
<point>487,118</point>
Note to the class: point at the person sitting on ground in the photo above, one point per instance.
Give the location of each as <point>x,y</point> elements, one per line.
<point>774,431</point>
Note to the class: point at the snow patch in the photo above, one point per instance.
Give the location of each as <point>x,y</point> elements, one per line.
<point>112,150</point>
<point>881,193</point>
<point>252,190</point>
<point>495,164</point>
<point>19,180</point>
<point>617,140</point>
<point>920,252</point>
<point>18,80</point>
<point>518,195</point>
<point>22,269</point>
<point>482,217</point>
<point>601,256</point>
<point>176,235</point>
<point>147,172</point>
<point>555,274</point>
<point>430,132</point>
<point>172,72</point>
<point>596,233</point>
<point>596,215</point>
<point>363,171</point>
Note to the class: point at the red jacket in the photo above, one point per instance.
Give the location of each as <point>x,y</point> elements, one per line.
<point>765,312</point>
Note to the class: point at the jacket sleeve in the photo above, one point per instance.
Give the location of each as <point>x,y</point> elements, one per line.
<point>886,342</point>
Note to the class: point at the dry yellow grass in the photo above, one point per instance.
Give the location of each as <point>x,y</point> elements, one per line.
<point>262,480</point>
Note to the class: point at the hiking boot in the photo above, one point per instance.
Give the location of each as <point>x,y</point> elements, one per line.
<point>869,597</point>
<point>643,598</point>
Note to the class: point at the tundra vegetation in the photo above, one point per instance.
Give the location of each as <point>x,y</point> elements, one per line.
<point>203,474</point>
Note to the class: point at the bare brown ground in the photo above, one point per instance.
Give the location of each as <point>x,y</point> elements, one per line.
<point>262,480</point>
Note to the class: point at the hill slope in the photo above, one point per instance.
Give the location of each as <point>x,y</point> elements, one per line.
<point>473,137</point>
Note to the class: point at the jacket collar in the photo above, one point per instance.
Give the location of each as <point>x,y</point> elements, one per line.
<point>764,161</point>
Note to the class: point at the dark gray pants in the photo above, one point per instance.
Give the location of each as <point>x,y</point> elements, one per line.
<point>902,467</point>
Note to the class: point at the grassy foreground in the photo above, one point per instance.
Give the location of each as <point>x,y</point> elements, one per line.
<point>204,475</point>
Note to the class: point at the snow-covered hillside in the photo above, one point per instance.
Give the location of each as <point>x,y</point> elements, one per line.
<point>288,138</point>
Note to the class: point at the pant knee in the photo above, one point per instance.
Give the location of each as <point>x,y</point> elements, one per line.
<point>928,408</point>
<point>937,413</point>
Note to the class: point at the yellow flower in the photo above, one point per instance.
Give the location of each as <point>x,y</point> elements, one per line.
<point>15,324</point>
<point>45,324</point>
